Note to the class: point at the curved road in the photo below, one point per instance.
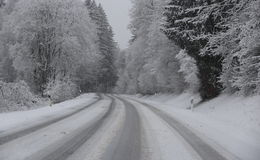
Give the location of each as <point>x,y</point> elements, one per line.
<point>128,144</point>
<point>205,151</point>
<point>78,132</point>
<point>71,145</point>
<point>4,138</point>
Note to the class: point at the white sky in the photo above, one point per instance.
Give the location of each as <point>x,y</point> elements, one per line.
<point>118,16</point>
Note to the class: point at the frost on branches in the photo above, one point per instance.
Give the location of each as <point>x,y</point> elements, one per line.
<point>222,36</point>
<point>54,45</point>
<point>189,69</point>
<point>16,96</point>
<point>50,39</point>
<point>239,47</point>
<point>149,64</point>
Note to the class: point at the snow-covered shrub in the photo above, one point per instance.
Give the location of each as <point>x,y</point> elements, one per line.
<point>189,69</point>
<point>61,90</point>
<point>16,96</point>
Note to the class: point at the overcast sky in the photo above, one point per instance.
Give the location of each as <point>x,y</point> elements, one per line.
<point>118,16</point>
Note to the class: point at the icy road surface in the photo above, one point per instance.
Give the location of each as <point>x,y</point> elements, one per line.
<point>110,127</point>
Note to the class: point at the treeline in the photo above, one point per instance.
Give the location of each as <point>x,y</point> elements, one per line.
<point>199,46</point>
<point>58,47</point>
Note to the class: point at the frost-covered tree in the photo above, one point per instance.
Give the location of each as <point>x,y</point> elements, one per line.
<point>93,11</point>
<point>238,47</point>
<point>108,49</point>
<point>52,39</point>
<point>162,53</point>
<point>135,63</point>
<point>141,18</point>
<point>121,63</point>
<point>150,61</point>
<point>246,78</point>
<point>7,71</point>
<point>106,45</point>
<point>189,69</point>
<point>190,24</point>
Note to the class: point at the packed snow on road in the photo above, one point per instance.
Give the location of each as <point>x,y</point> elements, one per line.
<point>111,127</point>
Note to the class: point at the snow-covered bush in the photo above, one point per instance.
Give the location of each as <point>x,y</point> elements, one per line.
<point>16,96</point>
<point>61,90</point>
<point>189,69</point>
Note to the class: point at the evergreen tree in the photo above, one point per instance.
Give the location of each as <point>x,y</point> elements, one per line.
<point>238,47</point>
<point>93,12</point>
<point>248,49</point>
<point>107,47</point>
<point>190,24</point>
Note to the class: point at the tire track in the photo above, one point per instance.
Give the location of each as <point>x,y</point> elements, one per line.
<point>71,145</point>
<point>128,145</point>
<point>204,150</point>
<point>10,137</point>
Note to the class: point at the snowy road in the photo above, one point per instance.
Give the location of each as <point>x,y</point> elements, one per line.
<point>111,128</point>
<point>4,138</point>
<point>204,150</point>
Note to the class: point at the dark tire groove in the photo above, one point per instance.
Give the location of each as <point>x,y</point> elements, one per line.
<point>128,146</point>
<point>7,138</point>
<point>70,146</point>
<point>204,150</point>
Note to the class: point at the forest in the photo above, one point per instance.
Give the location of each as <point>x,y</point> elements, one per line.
<point>58,49</point>
<point>199,46</point>
<point>54,48</point>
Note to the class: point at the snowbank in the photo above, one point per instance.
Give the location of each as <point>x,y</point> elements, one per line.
<point>13,120</point>
<point>229,123</point>
<point>238,111</point>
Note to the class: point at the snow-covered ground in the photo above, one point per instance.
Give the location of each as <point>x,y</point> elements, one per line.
<point>16,120</point>
<point>46,140</point>
<point>101,145</point>
<point>160,141</point>
<point>230,124</point>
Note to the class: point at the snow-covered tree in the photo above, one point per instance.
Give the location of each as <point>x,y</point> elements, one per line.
<point>238,47</point>
<point>121,63</point>
<point>106,45</point>
<point>249,54</point>
<point>190,24</point>
<point>189,69</point>
<point>107,48</point>
<point>7,71</point>
<point>135,54</point>
<point>150,61</point>
<point>162,53</point>
<point>52,39</point>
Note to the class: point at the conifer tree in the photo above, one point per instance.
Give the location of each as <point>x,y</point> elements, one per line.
<point>190,24</point>
<point>107,47</point>
<point>248,49</point>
